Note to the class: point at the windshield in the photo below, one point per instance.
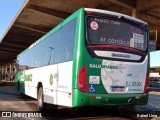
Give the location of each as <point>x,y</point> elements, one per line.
<point>115,32</point>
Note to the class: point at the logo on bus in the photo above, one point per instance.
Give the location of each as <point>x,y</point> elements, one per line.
<point>103,66</point>
<point>120,55</point>
<point>94,25</point>
<point>51,79</point>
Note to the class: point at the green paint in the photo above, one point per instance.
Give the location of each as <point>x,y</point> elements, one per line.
<point>28,77</point>
<point>83,57</point>
<point>91,99</point>
<point>79,46</point>
<point>19,83</point>
<point>94,71</point>
<point>51,79</point>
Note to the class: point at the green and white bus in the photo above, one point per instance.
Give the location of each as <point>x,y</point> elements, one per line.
<point>92,58</point>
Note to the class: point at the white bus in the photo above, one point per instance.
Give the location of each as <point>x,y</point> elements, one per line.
<point>93,58</point>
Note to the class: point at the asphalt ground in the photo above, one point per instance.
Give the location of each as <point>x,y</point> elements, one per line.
<point>12,101</point>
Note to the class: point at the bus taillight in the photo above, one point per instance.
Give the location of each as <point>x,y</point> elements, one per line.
<point>88,12</point>
<point>146,88</point>
<point>144,25</point>
<point>82,80</point>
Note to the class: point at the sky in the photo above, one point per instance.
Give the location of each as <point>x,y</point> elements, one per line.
<point>8,10</point>
<point>155,59</point>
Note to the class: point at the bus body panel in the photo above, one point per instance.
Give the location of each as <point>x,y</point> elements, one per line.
<point>93,99</point>
<point>129,75</point>
<point>104,97</point>
<point>79,47</point>
<point>57,87</point>
<point>64,87</point>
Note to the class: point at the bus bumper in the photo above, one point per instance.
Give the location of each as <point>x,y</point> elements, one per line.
<point>91,99</point>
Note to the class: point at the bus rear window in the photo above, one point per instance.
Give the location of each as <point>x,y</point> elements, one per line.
<point>115,32</point>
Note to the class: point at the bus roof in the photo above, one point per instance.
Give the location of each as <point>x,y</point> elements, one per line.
<point>114,13</point>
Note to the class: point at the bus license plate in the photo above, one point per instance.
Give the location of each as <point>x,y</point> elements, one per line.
<point>118,89</point>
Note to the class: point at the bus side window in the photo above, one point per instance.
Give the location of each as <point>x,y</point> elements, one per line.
<point>53,49</point>
<point>65,41</point>
<point>26,59</point>
<point>47,48</point>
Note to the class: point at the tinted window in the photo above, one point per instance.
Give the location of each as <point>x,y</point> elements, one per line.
<point>64,42</point>
<point>56,48</point>
<point>110,31</point>
<point>26,59</point>
<point>43,51</point>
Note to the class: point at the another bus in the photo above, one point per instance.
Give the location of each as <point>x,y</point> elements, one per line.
<point>92,58</point>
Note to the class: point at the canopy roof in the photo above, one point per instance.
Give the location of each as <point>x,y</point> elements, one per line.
<point>40,16</point>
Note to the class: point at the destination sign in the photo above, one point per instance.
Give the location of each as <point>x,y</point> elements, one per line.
<point>117,32</point>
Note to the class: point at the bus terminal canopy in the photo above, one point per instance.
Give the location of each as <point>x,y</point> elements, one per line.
<point>40,16</point>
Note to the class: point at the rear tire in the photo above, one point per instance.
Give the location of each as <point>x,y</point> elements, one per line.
<point>40,99</point>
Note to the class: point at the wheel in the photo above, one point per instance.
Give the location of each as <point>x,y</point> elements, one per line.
<point>40,99</point>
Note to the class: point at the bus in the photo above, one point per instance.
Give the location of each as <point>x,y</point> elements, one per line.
<point>93,58</point>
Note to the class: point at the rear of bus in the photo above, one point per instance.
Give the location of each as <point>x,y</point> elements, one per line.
<point>116,61</point>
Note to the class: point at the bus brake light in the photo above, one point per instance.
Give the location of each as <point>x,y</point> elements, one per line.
<point>146,88</point>
<point>82,80</point>
<point>144,25</point>
<point>88,12</point>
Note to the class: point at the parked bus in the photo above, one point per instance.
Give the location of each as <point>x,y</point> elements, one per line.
<point>92,58</point>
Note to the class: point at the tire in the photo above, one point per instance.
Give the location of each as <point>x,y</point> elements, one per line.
<point>40,99</point>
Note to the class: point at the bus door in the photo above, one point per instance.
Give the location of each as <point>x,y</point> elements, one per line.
<point>65,62</point>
